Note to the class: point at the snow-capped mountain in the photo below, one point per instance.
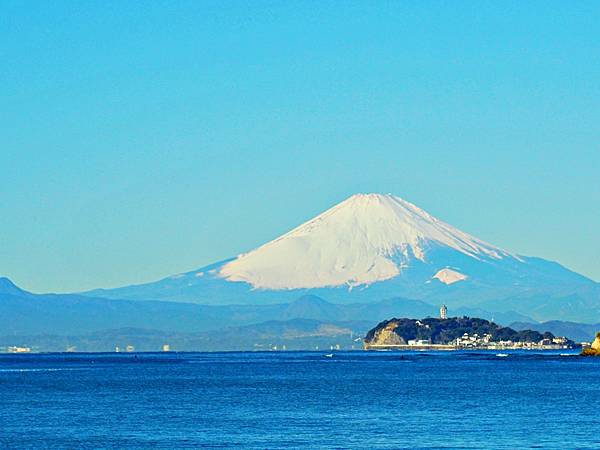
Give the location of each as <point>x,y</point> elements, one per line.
<point>367,248</point>
<point>363,240</point>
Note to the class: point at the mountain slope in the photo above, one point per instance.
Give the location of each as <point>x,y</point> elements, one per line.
<point>363,240</point>
<point>7,287</point>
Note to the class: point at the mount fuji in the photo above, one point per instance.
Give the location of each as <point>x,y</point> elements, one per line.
<point>363,240</point>
<point>372,247</point>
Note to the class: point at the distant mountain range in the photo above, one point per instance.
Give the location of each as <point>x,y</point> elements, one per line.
<point>294,334</point>
<point>24,313</point>
<point>578,332</point>
<point>57,322</point>
<point>372,247</point>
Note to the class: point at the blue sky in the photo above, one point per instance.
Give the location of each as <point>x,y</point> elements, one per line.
<point>141,139</point>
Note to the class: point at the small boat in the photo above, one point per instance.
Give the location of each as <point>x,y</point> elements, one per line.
<point>502,355</point>
<point>328,355</point>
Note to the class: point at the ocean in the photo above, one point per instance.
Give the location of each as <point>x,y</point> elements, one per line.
<point>359,400</point>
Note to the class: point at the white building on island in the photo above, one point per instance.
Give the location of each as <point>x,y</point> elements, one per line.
<point>443,312</point>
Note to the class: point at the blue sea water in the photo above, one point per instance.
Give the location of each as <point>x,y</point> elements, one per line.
<point>299,400</point>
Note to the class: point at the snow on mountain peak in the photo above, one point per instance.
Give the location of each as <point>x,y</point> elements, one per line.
<point>364,239</point>
<point>449,276</point>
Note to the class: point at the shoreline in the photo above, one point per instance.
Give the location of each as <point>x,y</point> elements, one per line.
<point>415,349</point>
<point>448,347</point>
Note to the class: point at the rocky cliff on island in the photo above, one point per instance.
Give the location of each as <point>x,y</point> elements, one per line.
<point>594,350</point>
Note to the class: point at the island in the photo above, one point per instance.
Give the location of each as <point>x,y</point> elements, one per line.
<point>457,333</point>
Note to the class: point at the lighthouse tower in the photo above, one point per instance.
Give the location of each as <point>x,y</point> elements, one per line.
<point>443,312</point>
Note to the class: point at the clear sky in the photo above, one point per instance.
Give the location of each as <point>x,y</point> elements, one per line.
<point>142,139</point>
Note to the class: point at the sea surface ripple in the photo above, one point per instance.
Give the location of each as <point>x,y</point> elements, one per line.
<point>360,400</point>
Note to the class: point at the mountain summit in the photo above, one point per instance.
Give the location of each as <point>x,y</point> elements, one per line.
<point>364,239</point>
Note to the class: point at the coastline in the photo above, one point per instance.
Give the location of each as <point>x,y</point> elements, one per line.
<point>448,347</point>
